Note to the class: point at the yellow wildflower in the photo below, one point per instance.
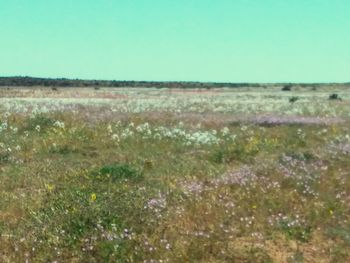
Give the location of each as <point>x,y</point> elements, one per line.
<point>93,197</point>
<point>50,187</point>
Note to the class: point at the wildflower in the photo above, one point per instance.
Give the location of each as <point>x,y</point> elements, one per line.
<point>115,137</point>
<point>157,203</point>
<point>7,114</point>
<point>127,133</point>
<point>243,177</point>
<point>193,188</point>
<point>59,124</point>
<point>109,129</point>
<point>225,131</point>
<point>93,197</point>
<point>50,187</point>
<point>157,136</point>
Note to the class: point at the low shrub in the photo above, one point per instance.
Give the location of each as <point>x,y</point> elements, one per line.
<point>117,172</point>
<point>287,88</point>
<point>39,121</point>
<point>293,99</point>
<point>334,96</point>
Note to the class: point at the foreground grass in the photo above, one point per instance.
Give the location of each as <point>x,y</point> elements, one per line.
<point>161,191</point>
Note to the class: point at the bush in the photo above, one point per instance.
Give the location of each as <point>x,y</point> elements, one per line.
<point>334,96</point>
<point>293,99</point>
<point>287,88</point>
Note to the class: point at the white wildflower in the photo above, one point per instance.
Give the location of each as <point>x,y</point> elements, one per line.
<point>109,129</point>
<point>115,137</point>
<point>225,131</point>
<point>59,124</point>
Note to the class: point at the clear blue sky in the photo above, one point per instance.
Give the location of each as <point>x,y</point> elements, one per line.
<point>206,40</point>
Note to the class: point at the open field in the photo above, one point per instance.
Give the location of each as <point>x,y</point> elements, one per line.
<point>172,175</point>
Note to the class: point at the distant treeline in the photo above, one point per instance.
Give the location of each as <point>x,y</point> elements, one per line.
<point>63,82</point>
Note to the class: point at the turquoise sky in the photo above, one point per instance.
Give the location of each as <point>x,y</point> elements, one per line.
<point>206,40</point>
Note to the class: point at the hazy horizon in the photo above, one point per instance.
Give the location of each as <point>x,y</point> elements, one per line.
<point>212,41</point>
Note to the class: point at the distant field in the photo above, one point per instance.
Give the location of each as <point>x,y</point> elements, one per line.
<point>174,175</point>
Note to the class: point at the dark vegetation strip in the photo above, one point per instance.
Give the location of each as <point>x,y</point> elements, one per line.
<point>64,82</point>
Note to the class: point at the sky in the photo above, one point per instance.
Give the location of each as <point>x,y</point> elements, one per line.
<point>177,40</point>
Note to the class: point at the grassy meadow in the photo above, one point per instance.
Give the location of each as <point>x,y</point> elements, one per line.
<point>171,175</point>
